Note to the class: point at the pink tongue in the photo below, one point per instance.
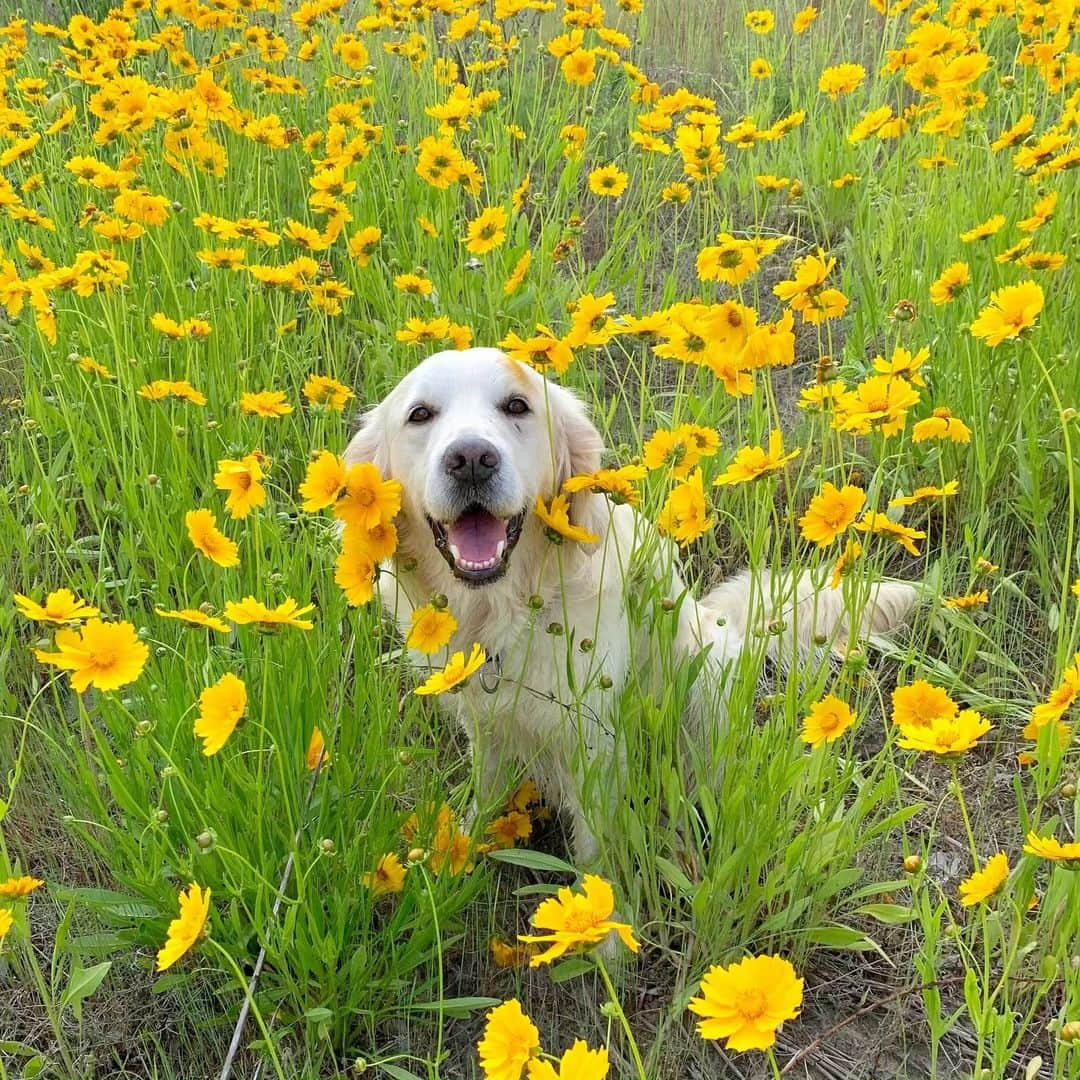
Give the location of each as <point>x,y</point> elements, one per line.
<point>476,535</point>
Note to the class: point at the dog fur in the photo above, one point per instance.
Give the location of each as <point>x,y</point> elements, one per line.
<point>544,703</point>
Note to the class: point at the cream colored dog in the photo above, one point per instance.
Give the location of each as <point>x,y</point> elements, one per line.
<point>474,438</point>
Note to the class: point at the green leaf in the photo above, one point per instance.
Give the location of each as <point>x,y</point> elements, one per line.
<point>83,982</point>
<point>398,1073</point>
<point>460,1007</point>
<point>571,969</point>
<point>890,914</point>
<point>533,860</point>
<point>34,1067</point>
<point>843,937</point>
<point>319,1014</point>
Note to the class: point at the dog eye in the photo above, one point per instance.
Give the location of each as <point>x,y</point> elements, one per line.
<point>516,406</point>
<point>420,415</point>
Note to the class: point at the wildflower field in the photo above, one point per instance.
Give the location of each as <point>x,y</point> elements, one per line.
<point>811,268</point>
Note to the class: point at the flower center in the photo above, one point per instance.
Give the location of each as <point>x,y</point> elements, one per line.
<point>752,1003</point>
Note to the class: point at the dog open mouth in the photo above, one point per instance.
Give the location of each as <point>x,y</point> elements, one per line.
<point>477,545</point>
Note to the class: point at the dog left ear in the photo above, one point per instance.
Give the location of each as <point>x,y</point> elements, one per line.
<point>369,443</point>
<point>578,450</point>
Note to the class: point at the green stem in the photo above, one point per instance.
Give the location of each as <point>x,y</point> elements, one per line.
<point>613,997</point>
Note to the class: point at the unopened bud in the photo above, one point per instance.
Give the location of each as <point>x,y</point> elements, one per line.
<point>205,841</point>
<point>912,864</point>
<point>326,846</point>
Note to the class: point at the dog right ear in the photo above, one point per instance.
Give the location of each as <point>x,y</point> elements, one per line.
<point>369,443</point>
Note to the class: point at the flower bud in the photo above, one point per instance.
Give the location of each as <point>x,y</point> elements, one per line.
<point>555,629</point>
<point>416,855</point>
<point>206,840</point>
<point>605,682</point>
<point>161,816</point>
<point>1070,1031</point>
<point>326,846</point>
<point>912,864</point>
<point>1068,791</point>
<point>439,602</point>
<point>153,479</point>
<point>405,757</point>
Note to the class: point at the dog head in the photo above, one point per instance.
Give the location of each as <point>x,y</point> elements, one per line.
<point>474,438</point>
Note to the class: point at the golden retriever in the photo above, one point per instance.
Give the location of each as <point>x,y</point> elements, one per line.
<point>474,438</point>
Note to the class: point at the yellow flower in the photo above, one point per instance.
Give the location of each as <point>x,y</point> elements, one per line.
<point>683,515</point>
<point>105,655</point>
<point>324,482</point>
<point>250,611</point>
<point>195,617</point>
<point>1049,847</point>
<point>517,275</point>
<point>731,261</point>
<point>986,882</point>
<point>577,921</point>
<point>6,923</point>
<point>950,488</point>
<point>61,606</point>
<point>608,180</point>
<point>827,720</point>
<point>760,68</point>
<point>354,571</point>
<point>362,244</point>
<point>676,193</point>
<point>1012,310</point>
<point>947,287</point>
<point>455,673</point>
<point>1061,699</point>
<point>971,600</point>
<point>185,931</point>
<point>831,512</point>
<point>578,1063</point>
<point>941,425</point>
<point>241,479</point>
<point>269,404</point>
<point>163,388</point>
<point>985,229</point>
<point>432,628</point>
<point>579,67</point>
<point>486,232</point>
<point>507,829</point>
<point>509,1041</point>
<point>506,955</point>
<point>920,703</point>
<point>873,522</point>
<point>752,461</point>
<point>746,1002</point>
<point>413,283</point>
<point>322,390</point>
<point>20,887</point>
<point>388,877</point>
<point>617,484</point>
<point>209,540</point>
<point>852,550</point>
<point>556,518</point>
<point>221,708</point>
<point>541,351</point>
<point>803,19</point>
<point>841,79</point>
<point>945,734</point>
<point>368,499</point>
<point>760,21</point>
<point>316,750</point>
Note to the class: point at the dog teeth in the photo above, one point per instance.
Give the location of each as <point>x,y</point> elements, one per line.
<point>457,554</point>
<point>499,550</point>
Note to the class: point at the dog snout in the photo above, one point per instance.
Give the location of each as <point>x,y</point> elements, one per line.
<point>471,461</point>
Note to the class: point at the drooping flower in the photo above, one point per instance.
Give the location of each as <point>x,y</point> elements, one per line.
<point>61,606</point>
<point>186,930</point>
<point>209,540</point>
<point>455,673</point>
<point>831,512</point>
<point>221,708</point>
<point>984,883</point>
<point>880,525</point>
<point>18,888</point>
<point>746,1002</point>
<point>684,513</point>
<point>941,425</point>
<point>970,600</point>
<point>195,617</point>
<point>577,921</point>
<point>327,392</point>
<point>432,628</point>
<point>827,720</point>
<point>556,519</point>
<point>949,284</point>
<point>104,655</point>
<point>509,1041</point>
<point>984,229</point>
<point>945,735</point>
<point>388,876</point>
<point>242,480</point>
<point>920,494</point>
<point>251,612</point>
<point>7,921</point>
<point>316,750</point>
<point>752,461</point>
<point>1049,847</point>
<point>578,1063</point>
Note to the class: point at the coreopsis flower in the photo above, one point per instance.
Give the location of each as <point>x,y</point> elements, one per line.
<point>753,462</point>
<point>414,284</point>
<point>505,955</point>
<point>831,512</point>
<point>880,525</point>
<point>556,519</point>
<point>919,703</point>
<point>806,292</point>
<point>578,1063</point>
<point>541,351</point>
<point>92,367</point>
<point>804,18</point>
<point>878,403</point>
<point>388,876</point>
<point>316,753</point>
<point>841,79</point>
<point>985,883</point>
<point>1012,310</point>
<point>327,392</point>
<point>579,67</point>
<point>941,425</point>
<point>510,827</point>
<point>1041,213</point>
<point>269,404</point>
<point>363,242</point>
<point>949,284</point>
<point>1060,700</point>
<point>432,628</point>
<point>252,612</point>
<point>61,606</point>
<point>18,888</point>
<point>242,480</point>
<point>517,275</point>
<point>104,655</point>
<point>164,388</point>
<point>903,364</point>
<point>509,1042</point>
<point>852,550</point>
<point>578,921</point>
<point>487,231</point>
<point>617,484</point>
<point>760,68</point>
<point>746,1002</point>
<point>970,600</point>
<point>761,21</point>
<point>221,707</point>
<point>1049,847</point>
<point>827,720</point>
<point>186,930</point>
<point>456,672</point>
<point>608,180</point>
<point>209,540</point>
<point>731,260</point>
<point>195,617</point>
<point>945,735</point>
<point>367,499</point>
<point>983,230</point>
<point>324,482</point>
<point>684,513</point>
<point>920,494</point>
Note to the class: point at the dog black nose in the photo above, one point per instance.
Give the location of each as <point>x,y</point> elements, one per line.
<point>471,461</point>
